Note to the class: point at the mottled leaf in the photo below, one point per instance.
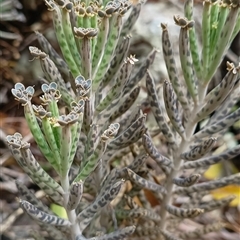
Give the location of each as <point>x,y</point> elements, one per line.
<point>200,150</point>
<point>130,135</point>
<point>211,185</point>
<point>178,86</point>
<point>220,125</point>
<point>171,105</point>
<point>199,232</point>
<point>117,235</point>
<point>138,76</point>
<point>158,111</point>
<point>145,183</point>
<point>188,181</point>
<point>102,200</point>
<point>41,216</point>
<point>75,195</point>
<point>184,213</point>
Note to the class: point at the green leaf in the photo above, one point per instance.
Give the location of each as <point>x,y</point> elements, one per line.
<point>59,210</point>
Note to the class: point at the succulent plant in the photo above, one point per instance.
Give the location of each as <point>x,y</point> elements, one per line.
<point>89,128</point>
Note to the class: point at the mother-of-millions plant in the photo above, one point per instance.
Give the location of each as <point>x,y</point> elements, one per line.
<point>94,137</point>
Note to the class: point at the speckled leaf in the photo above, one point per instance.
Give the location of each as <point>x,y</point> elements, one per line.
<point>116,63</point>
<point>188,10</point>
<point>171,105</point>
<point>226,107</point>
<point>216,204</point>
<point>219,93</point>
<point>129,118</point>
<point>101,44</point>
<point>91,143</point>
<point>85,53</point>
<point>211,185</point>
<point>207,161</point>
<point>106,137</point>
<point>222,42</point>
<point>75,195</point>
<point>200,150</point>
<point>137,213</point>
<point>158,110</point>
<point>117,235</point>
<point>47,128</point>
<point>138,76</point>
<point>200,231</point>
<point>217,18</point>
<point>188,181</point>
<point>130,135</point>
<point>75,135</point>
<point>65,149</point>
<point>102,200</point>
<point>206,32</point>
<point>139,181</point>
<point>162,161</point>
<point>178,86</point>
<point>116,90</point>
<point>114,32</point>
<point>47,47</point>
<point>91,162</point>
<point>28,195</point>
<point>87,117</point>
<point>38,172</point>
<point>185,57</point>
<point>130,21</point>
<point>220,125</point>
<point>62,40</point>
<point>138,161</point>
<point>52,73</point>
<point>69,36</point>
<point>110,179</point>
<point>39,137</point>
<point>125,103</point>
<point>41,216</point>
<point>184,213</point>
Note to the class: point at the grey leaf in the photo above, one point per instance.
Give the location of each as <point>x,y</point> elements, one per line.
<point>200,150</point>
<point>41,216</point>
<point>229,154</point>
<point>184,213</point>
<point>211,185</point>
<point>186,182</point>
<point>145,183</point>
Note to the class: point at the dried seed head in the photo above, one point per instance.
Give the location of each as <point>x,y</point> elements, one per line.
<point>80,11</point>
<point>131,59</point>
<point>61,3</point>
<point>40,111</point>
<point>85,32</point>
<point>69,6</point>
<point>83,86</point>
<point>111,132</point>
<point>16,141</point>
<point>21,94</point>
<point>101,13</point>
<point>78,107</point>
<point>50,5</point>
<point>50,93</point>
<point>71,118</point>
<point>164,26</point>
<point>37,53</point>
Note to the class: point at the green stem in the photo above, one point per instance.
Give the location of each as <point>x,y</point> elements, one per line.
<point>72,217</point>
